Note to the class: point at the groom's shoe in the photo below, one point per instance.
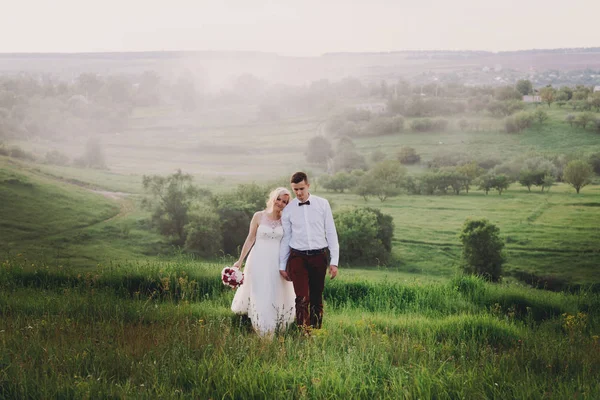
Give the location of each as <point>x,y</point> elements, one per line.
<point>302,313</point>
<point>316,316</point>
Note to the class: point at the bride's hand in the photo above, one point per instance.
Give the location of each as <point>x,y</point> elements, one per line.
<point>237,264</point>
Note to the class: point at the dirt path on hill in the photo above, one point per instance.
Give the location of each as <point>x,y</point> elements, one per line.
<point>126,205</point>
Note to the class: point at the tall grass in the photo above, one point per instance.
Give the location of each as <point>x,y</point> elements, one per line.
<point>165,330</point>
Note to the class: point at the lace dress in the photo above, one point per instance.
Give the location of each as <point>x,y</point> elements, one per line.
<point>266,297</point>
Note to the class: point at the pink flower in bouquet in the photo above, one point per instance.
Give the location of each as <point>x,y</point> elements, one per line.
<point>232,277</point>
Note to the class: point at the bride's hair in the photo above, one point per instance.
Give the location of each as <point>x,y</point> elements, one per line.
<point>274,195</point>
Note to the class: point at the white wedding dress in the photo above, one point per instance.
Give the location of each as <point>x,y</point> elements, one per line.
<point>266,297</point>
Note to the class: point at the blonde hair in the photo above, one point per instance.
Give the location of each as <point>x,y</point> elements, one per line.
<point>275,193</point>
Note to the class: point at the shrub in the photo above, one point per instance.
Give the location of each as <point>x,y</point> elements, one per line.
<point>347,160</point>
<point>339,182</point>
<point>429,125</point>
<point>482,249</point>
<point>377,156</point>
<point>408,155</point>
<point>384,126</point>
<point>55,157</point>
<point>578,173</point>
<point>203,232</point>
<point>17,152</point>
<point>595,162</point>
<point>319,150</point>
<point>365,234</point>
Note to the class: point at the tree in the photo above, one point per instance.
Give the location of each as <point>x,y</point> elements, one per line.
<point>385,179</point>
<point>470,171</point>
<point>541,115</point>
<point>547,95</point>
<point>93,155</point>
<point>524,87</point>
<point>584,119</point>
<point>169,198</point>
<point>578,173</point>
<point>595,101</point>
<point>482,249</point>
<point>366,235</point>
<point>528,178</point>
<point>203,235</point>
<point>377,156</point>
<point>501,182</point>
<point>486,182</point>
<point>319,150</point>
<point>595,162</point>
<point>507,93</point>
<point>339,182</point>
<point>347,160</point>
<point>408,155</point>
<point>565,93</point>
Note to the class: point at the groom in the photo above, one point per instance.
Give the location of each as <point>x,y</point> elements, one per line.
<point>309,246</point>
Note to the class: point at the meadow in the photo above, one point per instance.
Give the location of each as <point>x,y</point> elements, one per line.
<point>95,304</point>
<point>164,329</point>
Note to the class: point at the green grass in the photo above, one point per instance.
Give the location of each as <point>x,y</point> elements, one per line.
<point>53,219</point>
<point>31,206</point>
<point>555,136</point>
<point>544,232</point>
<point>165,330</point>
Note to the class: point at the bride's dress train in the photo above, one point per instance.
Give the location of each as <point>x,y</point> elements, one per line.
<point>266,297</point>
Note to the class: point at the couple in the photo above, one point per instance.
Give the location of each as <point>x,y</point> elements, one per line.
<point>290,247</point>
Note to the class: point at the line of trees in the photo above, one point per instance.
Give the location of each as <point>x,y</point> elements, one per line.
<point>452,173</point>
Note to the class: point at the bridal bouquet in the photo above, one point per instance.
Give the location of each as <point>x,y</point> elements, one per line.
<point>232,277</point>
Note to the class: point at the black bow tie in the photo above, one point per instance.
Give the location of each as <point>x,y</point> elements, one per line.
<point>306,203</point>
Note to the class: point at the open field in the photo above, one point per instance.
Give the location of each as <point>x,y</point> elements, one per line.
<point>164,329</point>
<point>544,232</point>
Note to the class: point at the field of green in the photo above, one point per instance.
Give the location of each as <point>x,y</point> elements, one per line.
<point>164,330</point>
<point>94,304</point>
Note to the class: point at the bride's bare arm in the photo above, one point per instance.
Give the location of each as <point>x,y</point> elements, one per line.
<point>250,239</point>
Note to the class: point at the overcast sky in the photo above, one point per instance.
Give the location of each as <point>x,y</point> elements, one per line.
<point>298,27</point>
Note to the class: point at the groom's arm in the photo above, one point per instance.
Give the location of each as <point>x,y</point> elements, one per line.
<point>332,240</point>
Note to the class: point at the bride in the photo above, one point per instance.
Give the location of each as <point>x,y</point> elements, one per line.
<point>267,298</point>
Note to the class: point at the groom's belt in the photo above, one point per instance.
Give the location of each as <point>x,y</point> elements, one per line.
<point>310,252</point>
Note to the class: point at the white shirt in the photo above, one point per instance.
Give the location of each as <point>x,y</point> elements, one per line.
<point>308,227</point>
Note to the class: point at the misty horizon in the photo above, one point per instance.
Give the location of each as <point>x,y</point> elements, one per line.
<point>285,28</point>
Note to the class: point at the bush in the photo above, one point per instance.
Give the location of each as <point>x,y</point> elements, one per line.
<point>384,126</point>
<point>17,152</point>
<point>319,150</point>
<point>339,182</point>
<point>482,249</point>
<point>408,155</point>
<point>203,232</point>
<point>429,125</point>
<point>55,157</point>
<point>347,160</point>
<point>377,156</point>
<point>518,122</point>
<point>595,162</point>
<point>365,234</point>
<point>235,217</point>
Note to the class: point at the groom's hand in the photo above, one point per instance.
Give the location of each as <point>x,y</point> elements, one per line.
<point>284,275</point>
<point>333,270</point>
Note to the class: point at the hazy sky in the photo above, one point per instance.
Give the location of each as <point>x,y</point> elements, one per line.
<point>298,27</point>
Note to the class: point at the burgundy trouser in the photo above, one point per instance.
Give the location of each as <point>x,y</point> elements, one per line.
<point>308,276</point>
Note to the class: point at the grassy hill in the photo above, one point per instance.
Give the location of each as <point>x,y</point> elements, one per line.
<point>68,221</point>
